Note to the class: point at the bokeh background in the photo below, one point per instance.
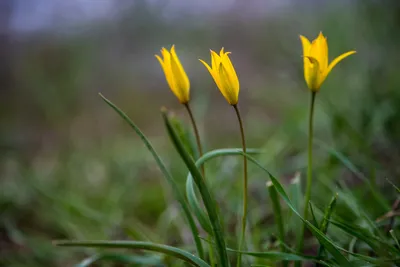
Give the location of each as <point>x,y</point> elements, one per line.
<point>70,168</point>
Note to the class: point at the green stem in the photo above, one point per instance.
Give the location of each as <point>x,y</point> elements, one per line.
<point>309,173</point>
<point>200,150</point>
<point>244,216</point>
<point>196,134</point>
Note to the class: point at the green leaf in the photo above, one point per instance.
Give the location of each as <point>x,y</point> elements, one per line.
<point>178,195</point>
<point>325,220</point>
<point>276,206</point>
<point>172,251</point>
<point>208,200</point>
<point>278,256</point>
<point>352,202</point>
<point>297,197</point>
<point>378,245</point>
<point>315,222</point>
<point>323,239</point>
<point>185,136</point>
<point>393,234</point>
<point>394,186</point>
<point>346,162</point>
<point>190,191</point>
<point>121,258</point>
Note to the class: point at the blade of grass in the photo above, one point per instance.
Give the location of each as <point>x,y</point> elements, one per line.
<point>378,245</point>
<point>352,202</point>
<point>120,258</point>
<point>315,222</point>
<point>297,199</point>
<point>368,259</point>
<point>179,196</point>
<point>275,255</point>
<point>331,247</point>
<point>394,186</point>
<point>278,256</point>
<point>276,206</point>
<point>394,238</point>
<point>346,162</point>
<point>172,251</point>
<point>208,199</point>
<point>190,190</point>
<point>325,220</point>
<point>323,239</point>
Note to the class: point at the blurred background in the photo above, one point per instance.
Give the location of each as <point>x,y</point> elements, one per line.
<point>70,168</point>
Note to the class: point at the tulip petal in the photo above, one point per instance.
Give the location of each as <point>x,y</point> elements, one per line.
<point>213,73</point>
<point>166,68</point>
<point>306,49</point>
<point>230,70</point>
<point>227,89</point>
<point>320,51</point>
<point>180,71</point>
<point>221,52</point>
<point>313,79</point>
<point>306,45</point>
<point>337,60</point>
<point>180,78</point>
<point>215,60</point>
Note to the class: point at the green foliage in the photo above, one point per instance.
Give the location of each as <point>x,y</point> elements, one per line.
<point>71,171</point>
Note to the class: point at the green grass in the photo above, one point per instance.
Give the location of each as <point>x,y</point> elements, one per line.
<point>99,182</point>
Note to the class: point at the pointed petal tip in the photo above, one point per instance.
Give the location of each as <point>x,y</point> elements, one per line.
<point>303,38</point>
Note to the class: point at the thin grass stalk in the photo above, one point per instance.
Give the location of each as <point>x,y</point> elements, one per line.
<point>309,173</point>
<point>245,182</point>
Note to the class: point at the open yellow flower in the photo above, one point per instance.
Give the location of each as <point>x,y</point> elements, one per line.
<point>175,75</point>
<point>316,67</point>
<point>224,75</point>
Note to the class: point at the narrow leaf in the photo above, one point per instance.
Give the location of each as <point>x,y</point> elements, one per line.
<point>172,251</point>
<point>178,195</point>
<point>120,258</point>
<point>315,222</point>
<point>394,238</point>
<point>323,239</point>
<point>346,162</point>
<point>325,220</point>
<point>276,206</point>
<point>208,199</point>
<point>190,191</point>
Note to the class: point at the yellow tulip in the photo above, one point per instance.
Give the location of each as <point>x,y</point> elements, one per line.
<point>224,75</point>
<point>316,67</point>
<point>175,75</point>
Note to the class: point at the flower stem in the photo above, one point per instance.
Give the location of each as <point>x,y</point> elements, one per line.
<point>200,150</point>
<point>244,216</point>
<point>309,174</point>
<point>196,133</point>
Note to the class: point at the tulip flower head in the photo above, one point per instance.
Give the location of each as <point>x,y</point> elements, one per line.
<point>316,67</point>
<point>175,75</point>
<point>224,75</point>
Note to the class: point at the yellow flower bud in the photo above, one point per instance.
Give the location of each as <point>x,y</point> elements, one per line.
<point>316,67</point>
<point>175,74</point>
<point>224,75</point>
